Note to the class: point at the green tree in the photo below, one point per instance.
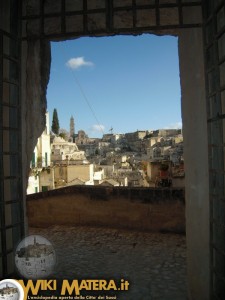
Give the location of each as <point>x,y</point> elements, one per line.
<point>55,122</point>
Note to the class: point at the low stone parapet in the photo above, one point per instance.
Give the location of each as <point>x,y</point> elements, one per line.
<point>151,209</point>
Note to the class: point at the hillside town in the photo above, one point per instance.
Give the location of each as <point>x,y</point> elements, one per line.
<point>144,158</point>
<point>9,292</point>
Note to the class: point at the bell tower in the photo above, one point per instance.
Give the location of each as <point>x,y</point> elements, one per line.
<point>72,127</point>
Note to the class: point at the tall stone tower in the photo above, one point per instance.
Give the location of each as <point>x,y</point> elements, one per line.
<point>72,127</point>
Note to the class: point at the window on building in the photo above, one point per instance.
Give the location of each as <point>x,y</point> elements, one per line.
<point>44,188</point>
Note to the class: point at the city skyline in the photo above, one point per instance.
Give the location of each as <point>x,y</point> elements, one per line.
<point>126,83</point>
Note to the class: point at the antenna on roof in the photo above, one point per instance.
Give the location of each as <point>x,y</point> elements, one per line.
<point>111,129</point>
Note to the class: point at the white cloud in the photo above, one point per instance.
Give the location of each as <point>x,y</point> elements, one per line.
<point>78,62</point>
<point>97,128</point>
<point>177,125</point>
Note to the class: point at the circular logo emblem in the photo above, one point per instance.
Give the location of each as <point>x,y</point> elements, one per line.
<point>35,257</point>
<point>10,289</point>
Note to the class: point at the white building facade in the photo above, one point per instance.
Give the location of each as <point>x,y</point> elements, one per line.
<point>41,159</point>
<point>42,151</point>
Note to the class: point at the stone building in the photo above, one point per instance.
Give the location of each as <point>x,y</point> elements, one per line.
<point>66,175</point>
<point>135,141</point>
<point>82,138</point>
<point>137,135</point>
<point>168,132</point>
<point>27,27</point>
<point>107,137</point>
<point>154,140</point>
<point>46,179</point>
<point>155,152</point>
<point>62,150</point>
<point>178,139</point>
<point>99,175</point>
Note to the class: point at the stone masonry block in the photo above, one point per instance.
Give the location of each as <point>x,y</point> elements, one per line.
<point>167,1</point>
<point>31,27</point>
<point>96,22</point>
<point>123,19</point>
<point>146,17</point>
<point>169,16</point>
<point>72,5</point>
<point>192,15</point>
<point>95,4</point>
<point>52,26</point>
<point>74,23</point>
<point>31,7</point>
<point>145,2</point>
<point>119,3</point>
<point>52,6</point>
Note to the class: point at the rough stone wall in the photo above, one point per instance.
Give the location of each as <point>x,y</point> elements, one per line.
<point>37,77</point>
<point>141,209</point>
<point>97,17</point>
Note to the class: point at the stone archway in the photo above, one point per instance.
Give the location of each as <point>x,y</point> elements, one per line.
<point>107,18</point>
<point>43,21</point>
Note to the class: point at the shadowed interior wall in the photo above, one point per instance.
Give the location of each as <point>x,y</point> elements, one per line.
<point>196,161</point>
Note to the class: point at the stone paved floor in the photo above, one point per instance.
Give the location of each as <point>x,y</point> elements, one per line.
<point>154,263</point>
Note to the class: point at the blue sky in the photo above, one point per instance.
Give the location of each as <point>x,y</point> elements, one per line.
<point>125,82</point>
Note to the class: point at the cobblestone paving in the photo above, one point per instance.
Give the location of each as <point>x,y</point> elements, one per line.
<point>154,263</point>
